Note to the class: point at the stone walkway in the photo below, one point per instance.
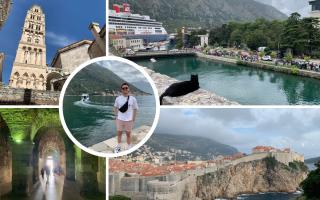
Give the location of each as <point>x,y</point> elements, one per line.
<point>199,97</point>
<point>107,146</point>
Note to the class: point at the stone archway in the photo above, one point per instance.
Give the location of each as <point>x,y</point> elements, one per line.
<point>48,143</point>
<point>6,159</point>
<point>53,83</point>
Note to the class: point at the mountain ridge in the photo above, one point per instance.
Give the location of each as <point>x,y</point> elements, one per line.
<point>96,79</point>
<point>204,13</point>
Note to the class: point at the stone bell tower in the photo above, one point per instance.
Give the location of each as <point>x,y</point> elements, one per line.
<point>29,67</point>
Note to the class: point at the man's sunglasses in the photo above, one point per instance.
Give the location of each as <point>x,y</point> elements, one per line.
<point>125,88</point>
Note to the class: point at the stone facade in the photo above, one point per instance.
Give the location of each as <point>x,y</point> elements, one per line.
<point>29,67</point>
<point>77,51</point>
<point>5,6</point>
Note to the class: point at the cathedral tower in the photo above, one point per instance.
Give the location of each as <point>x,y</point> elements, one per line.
<point>29,67</point>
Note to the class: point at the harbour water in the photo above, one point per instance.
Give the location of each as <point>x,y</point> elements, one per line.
<point>270,196</point>
<point>94,122</point>
<point>245,85</point>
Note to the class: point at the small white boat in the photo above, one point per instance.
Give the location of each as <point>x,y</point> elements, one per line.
<point>153,60</point>
<point>85,97</point>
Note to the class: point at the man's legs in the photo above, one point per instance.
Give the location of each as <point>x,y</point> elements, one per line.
<point>119,136</point>
<point>128,133</point>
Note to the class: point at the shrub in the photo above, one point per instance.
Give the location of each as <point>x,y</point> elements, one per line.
<point>295,70</point>
<point>271,162</point>
<point>119,197</point>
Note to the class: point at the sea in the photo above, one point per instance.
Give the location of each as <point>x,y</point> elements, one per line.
<point>94,122</point>
<point>270,196</point>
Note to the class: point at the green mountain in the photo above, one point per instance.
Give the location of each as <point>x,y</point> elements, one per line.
<point>197,147</point>
<point>312,160</point>
<point>201,13</point>
<point>95,79</point>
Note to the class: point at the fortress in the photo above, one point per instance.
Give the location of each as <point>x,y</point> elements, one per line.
<point>146,181</point>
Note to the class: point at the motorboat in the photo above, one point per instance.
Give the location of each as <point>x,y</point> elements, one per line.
<point>85,97</point>
<point>153,60</point>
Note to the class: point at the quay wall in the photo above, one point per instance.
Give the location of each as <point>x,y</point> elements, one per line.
<point>264,66</point>
<point>15,96</point>
<point>158,55</point>
<point>199,97</point>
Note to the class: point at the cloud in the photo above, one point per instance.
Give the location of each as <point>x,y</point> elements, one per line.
<point>58,40</point>
<point>290,6</point>
<point>246,128</point>
<point>123,70</point>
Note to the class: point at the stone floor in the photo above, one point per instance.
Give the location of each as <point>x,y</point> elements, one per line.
<point>107,146</point>
<point>56,188</point>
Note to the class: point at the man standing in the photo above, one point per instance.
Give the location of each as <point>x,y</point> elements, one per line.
<point>125,108</point>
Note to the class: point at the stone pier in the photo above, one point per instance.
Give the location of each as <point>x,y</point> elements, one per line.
<point>108,145</point>
<point>199,97</point>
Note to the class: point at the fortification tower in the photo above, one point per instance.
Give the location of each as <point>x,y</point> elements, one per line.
<point>315,8</point>
<point>29,67</point>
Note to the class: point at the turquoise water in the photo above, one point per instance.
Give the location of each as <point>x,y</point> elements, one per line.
<point>270,196</point>
<point>93,122</point>
<point>244,85</point>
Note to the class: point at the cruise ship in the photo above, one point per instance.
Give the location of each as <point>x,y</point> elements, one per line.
<point>135,26</point>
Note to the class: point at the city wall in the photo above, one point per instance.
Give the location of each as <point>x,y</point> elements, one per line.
<point>174,185</point>
<point>282,157</point>
<point>15,96</point>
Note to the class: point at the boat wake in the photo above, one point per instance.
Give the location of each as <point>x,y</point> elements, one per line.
<point>89,104</point>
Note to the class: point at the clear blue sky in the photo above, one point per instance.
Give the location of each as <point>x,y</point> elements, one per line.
<point>66,22</point>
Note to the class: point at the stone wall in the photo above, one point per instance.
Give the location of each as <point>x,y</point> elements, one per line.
<point>74,58</point>
<point>282,157</point>
<point>15,96</point>
<point>199,97</point>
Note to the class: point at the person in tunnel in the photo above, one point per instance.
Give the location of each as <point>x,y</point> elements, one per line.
<point>42,173</point>
<point>125,109</point>
<point>47,170</point>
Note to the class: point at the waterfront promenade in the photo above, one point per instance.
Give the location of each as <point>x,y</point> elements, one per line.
<point>159,54</point>
<point>263,65</point>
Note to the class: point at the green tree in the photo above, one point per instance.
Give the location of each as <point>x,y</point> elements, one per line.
<point>179,39</point>
<point>288,57</point>
<point>311,184</point>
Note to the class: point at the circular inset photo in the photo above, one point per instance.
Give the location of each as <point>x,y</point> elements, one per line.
<point>109,106</point>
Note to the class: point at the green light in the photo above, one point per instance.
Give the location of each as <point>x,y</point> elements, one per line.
<point>18,141</point>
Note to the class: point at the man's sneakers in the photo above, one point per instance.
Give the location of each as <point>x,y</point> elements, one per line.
<point>117,149</point>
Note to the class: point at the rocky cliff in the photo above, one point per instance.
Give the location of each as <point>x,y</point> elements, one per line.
<point>267,175</point>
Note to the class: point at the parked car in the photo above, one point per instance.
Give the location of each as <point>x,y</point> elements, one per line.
<point>266,58</point>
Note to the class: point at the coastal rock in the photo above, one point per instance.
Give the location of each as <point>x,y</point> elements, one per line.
<point>199,97</point>
<point>249,177</point>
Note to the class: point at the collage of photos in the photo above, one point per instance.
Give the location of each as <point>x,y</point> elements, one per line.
<point>160,100</point>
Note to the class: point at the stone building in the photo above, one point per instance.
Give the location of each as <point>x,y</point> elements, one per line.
<point>315,8</point>
<point>5,6</point>
<point>70,57</point>
<point>29,67</point>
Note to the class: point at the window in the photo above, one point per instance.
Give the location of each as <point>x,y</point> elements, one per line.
<point>36,41</point>
<point>29,39</point>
